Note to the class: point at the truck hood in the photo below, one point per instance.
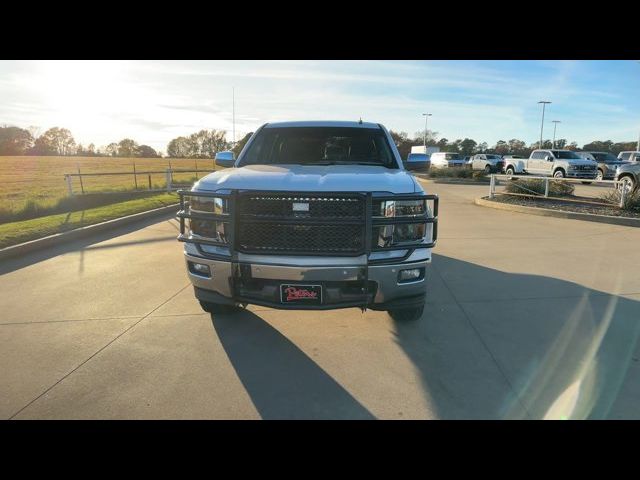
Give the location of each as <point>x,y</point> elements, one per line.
<point>310,178</point>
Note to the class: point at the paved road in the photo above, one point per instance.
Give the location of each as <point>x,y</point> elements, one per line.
<point>528,317</point>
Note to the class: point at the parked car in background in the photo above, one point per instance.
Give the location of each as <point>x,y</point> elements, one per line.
<point>468,161</point>
<point>631,156</point>
<point>607,163</point>
<point>446,160</point>
<point>488,162</point>
<point>417,162</point>
<point>556,163</point>
<point>629,176</point>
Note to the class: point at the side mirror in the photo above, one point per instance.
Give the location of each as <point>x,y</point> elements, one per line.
<point>225,159</point>
<point>549,158</point>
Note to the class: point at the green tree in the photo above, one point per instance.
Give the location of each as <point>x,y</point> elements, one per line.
<point>127,148</point>
<point>55,141</point>
<point>15,141</point>
<point>241,143</point>
<point>178,148</point>
<point>145,151</point>
<point>468,146</point>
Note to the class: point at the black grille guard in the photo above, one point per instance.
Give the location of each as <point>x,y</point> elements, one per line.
<point>369,221</point>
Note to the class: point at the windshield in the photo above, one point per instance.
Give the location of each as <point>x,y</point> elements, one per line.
<point>605,157</point>
<point>565,154</point>
<point>453,156</point>
<point>319,146</point>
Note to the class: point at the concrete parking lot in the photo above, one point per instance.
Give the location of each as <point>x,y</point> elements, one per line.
<point>527,317</point>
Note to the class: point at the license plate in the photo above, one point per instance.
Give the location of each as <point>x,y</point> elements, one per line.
<point>301,294</point>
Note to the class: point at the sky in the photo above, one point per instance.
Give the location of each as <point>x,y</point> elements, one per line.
<point>104,101</point>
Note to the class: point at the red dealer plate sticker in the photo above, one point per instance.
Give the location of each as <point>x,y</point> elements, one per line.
<point>301,294</point>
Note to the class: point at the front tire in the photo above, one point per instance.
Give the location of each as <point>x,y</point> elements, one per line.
<point>558,174</point>
<point>628,184</point>
<point>407,314</point>
<point>600,175</point>
<point>487,169</point>
<point>510,171</point>
<point>217,308</point>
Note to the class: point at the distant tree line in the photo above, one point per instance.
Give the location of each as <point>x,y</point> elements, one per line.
<point>60,141</point>
<point>206,143</point>
<point>514,146</point>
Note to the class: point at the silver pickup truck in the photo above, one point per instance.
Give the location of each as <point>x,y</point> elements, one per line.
<point>556,163</point>
<point>313,215</point>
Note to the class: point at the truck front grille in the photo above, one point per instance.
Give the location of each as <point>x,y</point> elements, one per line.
<point>300,223</point>
<point>289,238</point>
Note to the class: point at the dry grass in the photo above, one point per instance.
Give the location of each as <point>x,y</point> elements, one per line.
<point>37,183</point>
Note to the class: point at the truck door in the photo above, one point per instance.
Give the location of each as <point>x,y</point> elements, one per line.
<point>548,166</point>
<point>533,163</point>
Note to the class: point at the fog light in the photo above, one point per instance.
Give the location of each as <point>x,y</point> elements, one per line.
<point>410,275</point>
<point>200,269</point>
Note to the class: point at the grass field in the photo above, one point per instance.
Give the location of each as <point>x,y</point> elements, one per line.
<point>33,185</point>
<point>23,231</point>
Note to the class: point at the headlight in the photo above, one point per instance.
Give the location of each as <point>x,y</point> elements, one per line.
<point>399,208</point>
<point>217,205</point>
<point>210,229</point>
<point>400,234</point>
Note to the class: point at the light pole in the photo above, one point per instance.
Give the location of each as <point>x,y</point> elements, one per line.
<point>555,124</point>
<point>233,97</point>
<point>426,117</point>
<point>544,104</point>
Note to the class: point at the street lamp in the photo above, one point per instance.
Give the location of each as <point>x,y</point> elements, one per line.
<point>544,104</point>
<point>426,117</point>
<point>555,124</point>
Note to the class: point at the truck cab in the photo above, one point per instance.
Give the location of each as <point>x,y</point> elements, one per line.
<point>553,163</point>
<point>311,215</point>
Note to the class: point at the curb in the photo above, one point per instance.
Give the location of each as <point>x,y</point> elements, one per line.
<point>546,212</point>
<point>82,232</point>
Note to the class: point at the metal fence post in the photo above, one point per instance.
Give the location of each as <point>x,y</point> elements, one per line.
<point>546,187</point>
<point>623,190</point>
<point>492,186</point>
<point>168,175</point>
<point>69,185</point>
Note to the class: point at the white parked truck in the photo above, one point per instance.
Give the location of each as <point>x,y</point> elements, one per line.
<point>312,215</point>
<point>552,163</point>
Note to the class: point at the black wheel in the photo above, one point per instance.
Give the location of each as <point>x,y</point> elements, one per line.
<point>510,171</point>
<point>407,314</point>
<point>211,307</point>
<point>487,169</point>
<point>558,173</point>
<point>600,175</point>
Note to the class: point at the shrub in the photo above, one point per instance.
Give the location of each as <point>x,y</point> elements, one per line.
<point>535,187</point>
<point>631,199</point>
<point>450,173</point>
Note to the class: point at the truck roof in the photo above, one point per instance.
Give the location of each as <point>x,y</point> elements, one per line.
<point>322,123</point>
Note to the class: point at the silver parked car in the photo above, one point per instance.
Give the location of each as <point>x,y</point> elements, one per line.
<point>629,175</point>
<point>607,163</point>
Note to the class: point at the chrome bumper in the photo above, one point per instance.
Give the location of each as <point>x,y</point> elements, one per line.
<point>381,280</point>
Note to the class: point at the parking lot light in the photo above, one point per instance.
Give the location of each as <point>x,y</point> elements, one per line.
<point>544,104</point>
<point>555,124</point>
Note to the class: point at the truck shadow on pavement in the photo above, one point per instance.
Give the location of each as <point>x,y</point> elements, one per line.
<point>490,345</point>
<point>519,346</point>
<point>282,381</point>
